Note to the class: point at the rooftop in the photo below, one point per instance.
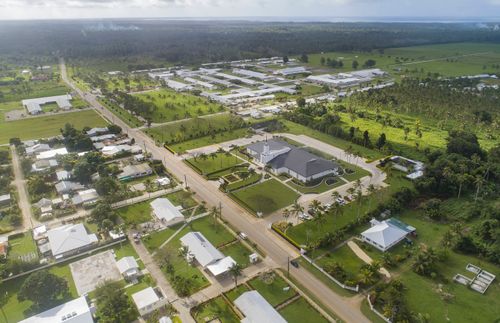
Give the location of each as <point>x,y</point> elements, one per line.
<point>165,210</point>
<point>256,309</point>
<point>75,311</point>
<point>204,252</point>
<point>145,297</point>
<point>68,238</point>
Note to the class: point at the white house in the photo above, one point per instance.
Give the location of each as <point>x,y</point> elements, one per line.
<point>135,171</point>
<point>386,234</point>
<point>64,187</point>
<point>63,175</point>
<point>50,154</point>
<point>85,197</point>
<point>296,162</point>
<point>75,311</point>
<point>165,211</point>
<point>44,164</point>
<point>206,254</point>
<point>148,300</point>
<point>33,106</point>
<point>97,131</point>
<point>69,239</point>
<point>37,148</point>
<point>128,267</point>
<point>5,199</point>
<point>256,309</point>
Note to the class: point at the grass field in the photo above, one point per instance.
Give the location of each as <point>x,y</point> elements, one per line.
<point>272,290</point>
<point>214,163</point>
<point>215,308</point>
<point>266,197</point>
<point>43,127</point>
<point>236,292</point>
<point>136,213</point>
<point>209,140</point>
<point>301,311</point>
<point>430,58</point>
<point>238,252</point>
<point>154,240</point>
<point>37,90</point>
<point>22,245</point>
<point>171,105</point>
<point>344,256</point>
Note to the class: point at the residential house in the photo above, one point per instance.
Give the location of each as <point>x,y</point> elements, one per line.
<point>51,154</point>
<point>291,71</point>
<point>70,239</point>
<point>63,175</point>
<point>65,187</point>
<point>112,150</point>
<point>97,131</point>
<point>148,300</point>
<point>256,309</point>
<point>206,254</point>
<point>5,199</point>
<point>44,164</point>
<point>86,197</point>
<point>128,267</point>
<point>386,234</point>
<point>37,148</point>
<point>75,311</point>
<point>134,171</point>
<point>282,157</point>
<point>166,212</point>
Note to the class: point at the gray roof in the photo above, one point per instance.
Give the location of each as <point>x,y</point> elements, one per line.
<point>204,252</point>
<point>34,105</point>
<point>296,159</point>
<point>67,186</point>
<point>126,264</point>
<point>165,210</point>
<point>256,309</point>
<point>69,237</point>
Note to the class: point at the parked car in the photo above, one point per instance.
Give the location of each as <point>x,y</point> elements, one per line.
<point>242,236</point>
<point>294,263</point>
<point>305,216</point>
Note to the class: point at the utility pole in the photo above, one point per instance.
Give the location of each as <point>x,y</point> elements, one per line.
<point>185,181</point>
<point>220,210</point>
<point>288,266</point>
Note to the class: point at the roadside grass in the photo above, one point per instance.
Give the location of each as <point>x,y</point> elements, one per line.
<point>48,126</point>
<point>136,213</point>
<point>299,233</point>
<point>154,240</point>
<point>238,252</point>
<point>171,105</point>
<point>297,129</point>
<point>265,197</point>
<point>273,289</point>
<point>216,308</point>
<point>252,179</point>
<point>344,256</point>
<point>219,161</point>
<point>122,114</point>
<point>301,311</point>
<point>182,198</point>
<point>209,140</point>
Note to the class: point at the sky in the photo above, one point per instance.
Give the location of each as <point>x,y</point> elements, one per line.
<point>71,9</point>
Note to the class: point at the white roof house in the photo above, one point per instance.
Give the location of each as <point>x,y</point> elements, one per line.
<point>96,131</point>
<point>148,300</point>
<point>63,175</point>
<point>165,211</point>
<point>85,197</point>
<point>128,267</point>
<point>75,311</point>
<point>135,171</point>
<point>37,148</point>
<point>34,105</point>
<point>202,250</point>
<point>69,238</point>
<point>221,266</point>
<point>256,309</point>
<point>5,199</point>
<point>291,70</point>
<point>44,164</point>
<point>64,187</point>
<point>49,154</point>
<point>386,234</point>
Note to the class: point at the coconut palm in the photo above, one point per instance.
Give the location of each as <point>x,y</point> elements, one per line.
<point>297,209</point>
<point>315,206</point>
<point>286,214</point>
<point>236,271</point>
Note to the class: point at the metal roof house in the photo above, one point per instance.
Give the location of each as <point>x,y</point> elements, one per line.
<point>206,254</point>
<point>69,239</point>
<point>97,131</point>
<point>285,158</point>
<point>49,154</point>
<point>33,106</point>
<point>5,199</point>
<point>386,234</point>
<point>256,309</point>
<point>75,311</point>
<point>128,267</point>
<point>148,300</point>
<point>134,171</point>
<point>64,187</point>
<point>165,211</point>
<point>37,148</point>
<point>85,197</point>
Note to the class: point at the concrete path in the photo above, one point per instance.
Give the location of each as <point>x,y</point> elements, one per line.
<point>363,256</point>
<point>20,184</point>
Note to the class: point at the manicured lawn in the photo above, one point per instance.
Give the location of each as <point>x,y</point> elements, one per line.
<point>64,271</point>
<point>344,256</point>
<point>171,105</point>
<point>143,282</point>
<point>125,249</point>
<point>216,308</point>
<point>182,198</point>
<point>234,293</point>
<point>214,163</point>
<point>136,213</point>
<point>301,311</point>
<point>48,126</point>
<point>209,140</point>
<point>252,179</point>
<point>266,197</point>
<point>238,252</point>
<point>318,188</point>
<point>272,290</point>
<point>213,231</point>
<point>155,240</point>
<point>22,245</point>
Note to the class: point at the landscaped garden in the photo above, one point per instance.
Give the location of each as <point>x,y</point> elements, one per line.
<point>266,197</point>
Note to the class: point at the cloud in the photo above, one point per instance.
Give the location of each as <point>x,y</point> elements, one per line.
<point>106,3</point>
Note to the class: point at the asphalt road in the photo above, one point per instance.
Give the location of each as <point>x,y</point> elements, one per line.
<point>275,248</point>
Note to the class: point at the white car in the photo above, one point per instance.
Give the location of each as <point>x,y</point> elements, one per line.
<point>242,236</point>
<point>305,216</point>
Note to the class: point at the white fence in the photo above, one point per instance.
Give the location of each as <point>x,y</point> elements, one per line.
<point>374,310</point>
<point>344,286</point>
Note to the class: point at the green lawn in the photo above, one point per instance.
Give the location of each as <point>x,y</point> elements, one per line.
<point>171,105</point>
<point>183,198</point>
<point>266,197</point>
<point>22,245</point>
<point>297,129</point>
<point>209,140</point>
<point>301,311</point>
<point>272,290</point>
<point>136,213</point>
<point>48,126</point>
<point>143,283</point>
<point>234,293</point>
<point>346,257</point>
<point>252,179</point>
<point>238,252</point>
<point>318,188</point>
<point>216,308</point>
<point>122,114</point>
<point>154,240</point>
<point>214,163</point>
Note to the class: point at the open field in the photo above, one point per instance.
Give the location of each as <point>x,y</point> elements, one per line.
<point>136,213</point>
<point>43,127</point>
<point>32,90</point>
<point>209,140</point>
<point>213,163</point>
<point>301,311</point>
<point>430,58</point>
<point>171,105</point>
<point>265,197</point>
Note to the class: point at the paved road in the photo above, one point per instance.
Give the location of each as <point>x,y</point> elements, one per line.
<point>275,248</point>
<point>24,201</point>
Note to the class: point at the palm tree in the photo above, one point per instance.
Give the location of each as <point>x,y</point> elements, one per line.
<point>320,219</point>
<point>315,206</point>
<point>185,253</point>
<point>336,209</point>
<point>286,214</point>
<point>335,195</point>
<point>478,181</point>
<point>297,209</point>
<point>370,189</point>
<point>236,271</point>
<point>214,212</point>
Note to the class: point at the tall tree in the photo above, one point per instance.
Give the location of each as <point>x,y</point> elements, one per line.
<point>113,305</point>
<point>44,289</point>
<point>235,270</point>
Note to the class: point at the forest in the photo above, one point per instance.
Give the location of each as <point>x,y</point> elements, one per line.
<point>203,41</point>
